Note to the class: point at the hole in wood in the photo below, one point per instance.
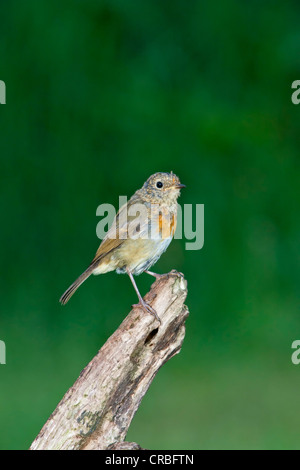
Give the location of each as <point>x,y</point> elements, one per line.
<point>151,335</point>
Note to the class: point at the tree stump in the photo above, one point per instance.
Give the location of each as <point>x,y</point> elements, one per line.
<point>97,410</point>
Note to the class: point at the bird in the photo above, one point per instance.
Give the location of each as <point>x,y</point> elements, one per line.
<point>140,232</point>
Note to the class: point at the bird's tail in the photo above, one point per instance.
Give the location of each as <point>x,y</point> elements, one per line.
<point>73,288</point>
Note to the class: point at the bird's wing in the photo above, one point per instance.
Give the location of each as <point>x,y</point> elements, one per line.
<point>130,221</point>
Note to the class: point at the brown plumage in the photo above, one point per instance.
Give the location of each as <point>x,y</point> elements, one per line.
<point>141,231</point>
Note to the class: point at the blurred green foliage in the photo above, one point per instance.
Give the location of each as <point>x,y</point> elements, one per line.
<point>100,95</point>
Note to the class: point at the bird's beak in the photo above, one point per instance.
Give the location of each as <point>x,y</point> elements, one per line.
<point>178,186</point>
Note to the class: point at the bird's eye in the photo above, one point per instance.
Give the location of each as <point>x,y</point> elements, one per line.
<point>159,184</point>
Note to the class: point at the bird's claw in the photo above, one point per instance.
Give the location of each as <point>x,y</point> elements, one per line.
<point>147,308</point>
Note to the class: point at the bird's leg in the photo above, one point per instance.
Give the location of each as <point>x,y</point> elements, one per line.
<point>157,276</point>
<point>146,307</point>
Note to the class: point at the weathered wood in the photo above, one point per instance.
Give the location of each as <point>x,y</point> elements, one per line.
<point>97,410</point>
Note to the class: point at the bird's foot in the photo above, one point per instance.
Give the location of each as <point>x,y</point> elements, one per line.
<point>173,273</point>
<point>157,276</point>
<point>147,308</point>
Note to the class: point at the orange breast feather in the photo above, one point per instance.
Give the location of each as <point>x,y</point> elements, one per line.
<point>166,224</point>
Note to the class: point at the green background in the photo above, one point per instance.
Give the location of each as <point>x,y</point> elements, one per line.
<point>100,95</point>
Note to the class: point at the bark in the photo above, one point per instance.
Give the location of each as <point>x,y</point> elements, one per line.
<point>97,410</point>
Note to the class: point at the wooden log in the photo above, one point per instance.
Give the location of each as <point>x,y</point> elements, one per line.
<point>97,410</point>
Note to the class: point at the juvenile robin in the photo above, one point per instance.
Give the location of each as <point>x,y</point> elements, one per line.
<point>141,231</point>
